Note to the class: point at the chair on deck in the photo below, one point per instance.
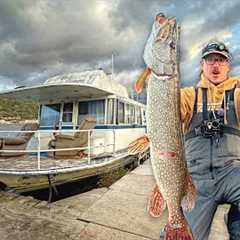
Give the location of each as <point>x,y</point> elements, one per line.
<point>19,142</point>
<point>79,139</point>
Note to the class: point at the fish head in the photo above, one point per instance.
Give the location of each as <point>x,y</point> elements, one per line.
<point>160,53</point>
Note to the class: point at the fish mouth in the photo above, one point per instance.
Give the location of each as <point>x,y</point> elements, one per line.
<point>162,29</point>
<point>159,29</point>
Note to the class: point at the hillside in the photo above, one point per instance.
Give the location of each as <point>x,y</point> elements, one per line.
<point>17,110</point>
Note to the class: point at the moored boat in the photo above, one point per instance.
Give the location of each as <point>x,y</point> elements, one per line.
<point>86,121</point>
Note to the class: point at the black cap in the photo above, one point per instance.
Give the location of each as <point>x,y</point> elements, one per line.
<point>216,47</point>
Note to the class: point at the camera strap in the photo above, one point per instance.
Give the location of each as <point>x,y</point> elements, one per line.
<point>231,130</point>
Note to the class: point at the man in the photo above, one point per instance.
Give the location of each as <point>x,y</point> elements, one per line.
<point>210,115</point>
<point>212,140</point>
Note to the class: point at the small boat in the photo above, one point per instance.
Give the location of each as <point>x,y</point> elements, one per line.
<point>86,121</point>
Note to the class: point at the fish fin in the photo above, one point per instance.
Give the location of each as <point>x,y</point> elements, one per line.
<point>188,200</point>
<point>139,145</point>
<point>156,203</point>
<point>141,80</point>
<point>177,233</point>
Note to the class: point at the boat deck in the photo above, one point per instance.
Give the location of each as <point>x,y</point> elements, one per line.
<point>30,162</point>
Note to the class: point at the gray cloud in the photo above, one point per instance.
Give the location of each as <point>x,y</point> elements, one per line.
<point>42,38</point>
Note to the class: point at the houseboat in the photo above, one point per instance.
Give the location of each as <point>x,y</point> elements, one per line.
<point>86,121</point>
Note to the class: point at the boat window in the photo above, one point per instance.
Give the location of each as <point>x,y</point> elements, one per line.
<point>110,111</point>
<point>49,115</point>
<point>120,112</point>
<point>67,112</point>
<point>138,115</point>
<point>95,109</point>
<point>129,114</point>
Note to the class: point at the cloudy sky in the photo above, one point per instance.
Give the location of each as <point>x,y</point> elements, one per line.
<point>43,38</point>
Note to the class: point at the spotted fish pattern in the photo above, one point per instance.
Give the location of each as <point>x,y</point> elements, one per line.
<point>175,187</point>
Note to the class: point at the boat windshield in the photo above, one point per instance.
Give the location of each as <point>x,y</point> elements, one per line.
<point>49,115</point>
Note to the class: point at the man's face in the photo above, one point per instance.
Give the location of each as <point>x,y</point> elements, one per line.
<point>215,68</point>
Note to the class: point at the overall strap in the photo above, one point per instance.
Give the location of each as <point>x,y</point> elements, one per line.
<point>204,104</point>
<point>195,108</point>
<point>204,113</point>
<point>229,95</point>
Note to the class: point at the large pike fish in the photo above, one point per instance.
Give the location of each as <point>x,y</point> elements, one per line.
<point>174,186</point>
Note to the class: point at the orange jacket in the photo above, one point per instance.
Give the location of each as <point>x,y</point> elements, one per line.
<point>215,98</point>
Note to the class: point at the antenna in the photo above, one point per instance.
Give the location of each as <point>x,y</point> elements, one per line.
<point>112,66</point>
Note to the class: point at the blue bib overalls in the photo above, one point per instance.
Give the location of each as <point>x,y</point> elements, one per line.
<point>215,167</point>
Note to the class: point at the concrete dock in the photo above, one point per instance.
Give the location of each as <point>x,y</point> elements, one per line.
<point>115,213</point>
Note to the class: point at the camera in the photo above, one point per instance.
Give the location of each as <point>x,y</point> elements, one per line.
<point>212,127</point>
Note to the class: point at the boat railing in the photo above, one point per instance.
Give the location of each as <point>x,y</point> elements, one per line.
<point>38,134</point>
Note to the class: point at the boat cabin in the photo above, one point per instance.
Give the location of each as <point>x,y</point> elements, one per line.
<point>66,100</point>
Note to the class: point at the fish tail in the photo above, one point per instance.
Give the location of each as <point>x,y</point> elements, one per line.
<point>141,80</point>
<point>178,233</point>
<point>188,200</point>
<point>156,204</point>
<point>139,145</point>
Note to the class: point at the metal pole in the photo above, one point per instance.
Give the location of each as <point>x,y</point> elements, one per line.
<point>39,153</point>
<point>106,111</point>
<point>89,148</point>
<point>114,142</point>
<point>112,66</point>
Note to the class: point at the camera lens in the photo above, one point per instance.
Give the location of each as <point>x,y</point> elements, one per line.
<point>215,124</point>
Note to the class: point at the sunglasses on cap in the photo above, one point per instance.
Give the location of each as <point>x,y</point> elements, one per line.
<point>216,48</point>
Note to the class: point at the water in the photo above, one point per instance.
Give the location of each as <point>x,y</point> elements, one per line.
<point>70,189</point>
<point>65,190</point>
